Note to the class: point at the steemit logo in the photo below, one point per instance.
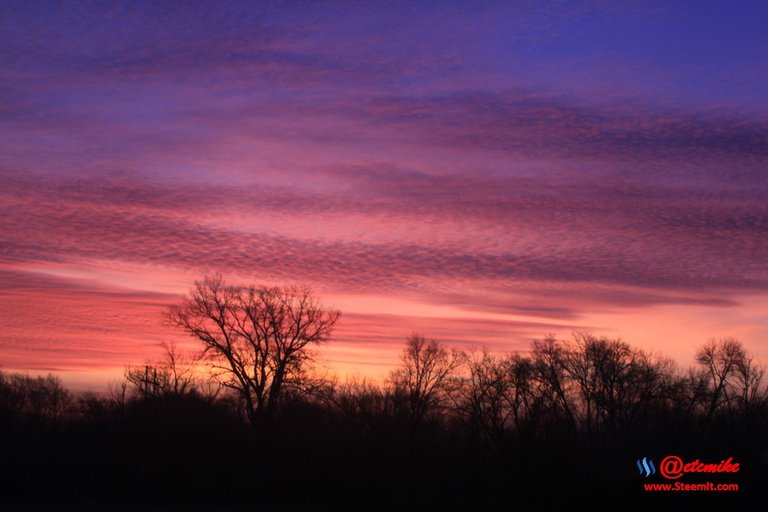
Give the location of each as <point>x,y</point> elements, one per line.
<point>646,465</point>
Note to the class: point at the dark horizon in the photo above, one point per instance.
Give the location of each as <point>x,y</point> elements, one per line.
<point>447,430</point>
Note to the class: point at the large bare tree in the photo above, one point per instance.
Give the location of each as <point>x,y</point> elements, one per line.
<point>256,337</point>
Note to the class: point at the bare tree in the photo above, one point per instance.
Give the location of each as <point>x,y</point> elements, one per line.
<point>550,374</point>
<point>423,379</point>
<point>44,397</point>
<point>719,360</point>
<point>749,384</point>
<point>256,337</point>
<point>490,401</point>
<point>172,376</point>
<point>614,381</point>
<point>523,396</point>
<point>732,377</point>
<point>362,402</point>
<point>118,393</point>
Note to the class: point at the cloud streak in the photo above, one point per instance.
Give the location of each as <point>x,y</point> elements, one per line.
<point>618,242</point>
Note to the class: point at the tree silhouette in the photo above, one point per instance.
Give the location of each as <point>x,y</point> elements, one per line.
<point>172,376</point>
<point>256,337</point>
<point>731,376</point>
<point>423,379</point>
<point>552,381</point>
<point>490,398</point>
<point>43,397</point>
<point>614,381</point>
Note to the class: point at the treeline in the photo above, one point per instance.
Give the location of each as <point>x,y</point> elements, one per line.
<point>566,420</point>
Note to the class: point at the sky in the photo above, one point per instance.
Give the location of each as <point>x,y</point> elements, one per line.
<point>483,173</point>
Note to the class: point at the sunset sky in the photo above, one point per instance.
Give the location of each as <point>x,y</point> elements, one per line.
<point>481,173</point>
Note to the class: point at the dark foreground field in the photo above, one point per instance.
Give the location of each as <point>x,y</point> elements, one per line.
<point>566,423</point>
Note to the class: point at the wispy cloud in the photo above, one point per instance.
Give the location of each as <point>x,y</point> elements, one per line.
<point>596,236</point>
